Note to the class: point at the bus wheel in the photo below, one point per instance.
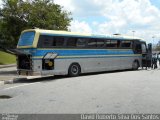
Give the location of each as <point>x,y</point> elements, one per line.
<point>74,70</point>
<point>135,65</point>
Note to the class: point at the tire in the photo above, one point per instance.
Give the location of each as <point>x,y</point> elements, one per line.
<point>74,70</point>
<point>135,65</point>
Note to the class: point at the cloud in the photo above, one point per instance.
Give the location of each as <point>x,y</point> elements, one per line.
<point>78,26</point>
<point>120,16</point>
<point>138,15</point>
<point>67,4</point>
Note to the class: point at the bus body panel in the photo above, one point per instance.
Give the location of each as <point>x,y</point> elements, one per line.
<point>87,65</point>
<point>90,60</point>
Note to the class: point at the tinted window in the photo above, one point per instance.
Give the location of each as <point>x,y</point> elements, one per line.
<point>45,41</point>
<point>81,42</point>
<point>92,43</point>
<point>100,43</point>
<point>50,41</point>
<point>112,43</point>
<point>58,41</point>
<point>71,42</point>
<point>107,43</point>
<point>138,48</point>
<point>126,44</point>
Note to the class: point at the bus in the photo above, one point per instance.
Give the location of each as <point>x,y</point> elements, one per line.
<point>51,52</point>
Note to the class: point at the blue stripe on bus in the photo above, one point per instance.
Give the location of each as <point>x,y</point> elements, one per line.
<point>82,52</point>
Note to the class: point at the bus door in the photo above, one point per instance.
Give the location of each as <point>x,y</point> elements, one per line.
<point>141,48</point>
<point>149,55</point>
<point>146,54</point>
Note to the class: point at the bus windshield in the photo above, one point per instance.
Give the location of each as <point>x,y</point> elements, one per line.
<point>26,39</point>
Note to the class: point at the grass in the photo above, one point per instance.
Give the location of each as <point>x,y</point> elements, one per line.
<point>6,58</point>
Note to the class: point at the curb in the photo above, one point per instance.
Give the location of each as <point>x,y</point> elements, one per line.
<point>11,81</point>
<point>5,66</point>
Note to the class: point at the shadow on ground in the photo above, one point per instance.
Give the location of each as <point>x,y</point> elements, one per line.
<point>59,77</point>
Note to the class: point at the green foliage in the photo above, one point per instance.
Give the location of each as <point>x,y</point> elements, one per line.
<point>17,15</point>
<point>6,58</point>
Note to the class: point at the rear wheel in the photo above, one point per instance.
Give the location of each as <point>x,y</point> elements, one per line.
<point>135,65</point>
<point>74,70</point>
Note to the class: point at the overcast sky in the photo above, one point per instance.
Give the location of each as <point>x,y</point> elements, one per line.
<point>115,16</point>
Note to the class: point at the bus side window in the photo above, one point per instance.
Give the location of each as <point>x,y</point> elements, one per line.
<point>81,42</point>
<point>45,41</point>
<point>112,43</point>
<point>126,44</point>
<point>138,48</point>
<point>50,41</point>
<point>100,43</point>
<point>92,43</point>
<point>58,41</point>
<point>107,43</point>
<point>71,42</point>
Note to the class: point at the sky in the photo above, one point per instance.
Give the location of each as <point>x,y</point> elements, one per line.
<point>115,16</point>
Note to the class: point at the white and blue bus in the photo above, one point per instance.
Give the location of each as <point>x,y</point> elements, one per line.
<point>48,52</point>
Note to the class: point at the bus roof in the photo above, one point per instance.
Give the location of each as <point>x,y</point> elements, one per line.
<point>76,34</point>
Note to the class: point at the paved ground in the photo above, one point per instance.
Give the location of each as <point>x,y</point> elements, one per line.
<point>8,73</point>
<point>111,92</point>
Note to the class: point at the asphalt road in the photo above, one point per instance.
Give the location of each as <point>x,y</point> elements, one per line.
<point>110,92</point>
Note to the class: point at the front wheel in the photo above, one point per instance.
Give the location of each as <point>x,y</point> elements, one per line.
<point>74,70</point>
<point>135,65</point>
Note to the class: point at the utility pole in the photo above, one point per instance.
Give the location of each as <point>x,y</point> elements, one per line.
<point>153,42</point>
<point>153,39</point>
<point>133,33</point>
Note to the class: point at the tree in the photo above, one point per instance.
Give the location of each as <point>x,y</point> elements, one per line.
<point>17,15</point>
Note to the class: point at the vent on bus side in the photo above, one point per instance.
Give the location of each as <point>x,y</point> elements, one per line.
<point>48,61</point>
<point>48,64</point>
